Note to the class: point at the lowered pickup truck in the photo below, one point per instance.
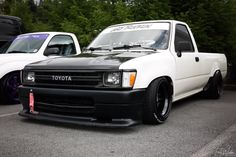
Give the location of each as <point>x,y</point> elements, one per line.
<point>28,48</point>
<point>130,72</point>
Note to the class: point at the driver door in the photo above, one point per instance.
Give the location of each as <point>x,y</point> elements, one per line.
<point>187,65</point>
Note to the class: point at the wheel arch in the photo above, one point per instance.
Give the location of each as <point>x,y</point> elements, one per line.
<point>10,72</point>
<point>12,67</point>
<point>215,67</point>
<point>169,80</point>
<point>216,72</point>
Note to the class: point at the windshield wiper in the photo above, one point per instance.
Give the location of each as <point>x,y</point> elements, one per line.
<point>97,48</point>
<point>17,52</point>
<point>133,46</point>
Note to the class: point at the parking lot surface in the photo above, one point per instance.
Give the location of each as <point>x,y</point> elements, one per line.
<point>196,127</point>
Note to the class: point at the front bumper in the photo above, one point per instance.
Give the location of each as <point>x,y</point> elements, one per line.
<point>85,107</point>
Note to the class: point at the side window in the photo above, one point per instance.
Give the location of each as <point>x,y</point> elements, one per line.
<point>183,41</point>
<point>64,45</point>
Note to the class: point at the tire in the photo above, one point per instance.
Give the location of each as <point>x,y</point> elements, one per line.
<point>158,102</point>
<point>215,88</point>
<point>9,88</point>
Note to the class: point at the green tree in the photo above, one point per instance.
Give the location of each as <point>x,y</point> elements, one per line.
<point>21,9</point>
<point>150,9</point>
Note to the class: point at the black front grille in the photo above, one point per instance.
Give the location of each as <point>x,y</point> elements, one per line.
<point>64,105</point>
<point>68,79</point>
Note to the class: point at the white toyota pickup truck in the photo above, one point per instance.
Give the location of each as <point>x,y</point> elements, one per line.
<point>28,48</point>
<point>130,72</point>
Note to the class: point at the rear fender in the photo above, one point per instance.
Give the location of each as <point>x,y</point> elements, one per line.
<point>215,67</point>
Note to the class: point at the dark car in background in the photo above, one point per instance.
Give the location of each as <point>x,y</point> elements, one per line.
<point>10,27</point>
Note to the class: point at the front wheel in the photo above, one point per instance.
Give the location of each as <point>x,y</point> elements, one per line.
<point>158,102</point>
<point>9,88</point>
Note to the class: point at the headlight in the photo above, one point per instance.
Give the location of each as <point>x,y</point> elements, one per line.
<point>29,77</point>
<point>112,79</point>
<point>118,79</point>
<point>128,79</point>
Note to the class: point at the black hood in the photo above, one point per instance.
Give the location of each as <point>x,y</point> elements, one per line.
<point>100,60</point>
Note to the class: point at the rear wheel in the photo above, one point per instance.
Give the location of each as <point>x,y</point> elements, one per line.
<point>215,88</point>
<point>9,88</point>
<point>158,102</point>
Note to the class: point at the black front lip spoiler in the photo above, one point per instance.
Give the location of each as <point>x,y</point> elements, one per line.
<point>115,123</point>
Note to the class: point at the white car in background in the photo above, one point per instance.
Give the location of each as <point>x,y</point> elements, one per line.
<point>29,48</point>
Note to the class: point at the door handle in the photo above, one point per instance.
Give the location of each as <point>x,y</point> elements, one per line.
<point>197,59</point>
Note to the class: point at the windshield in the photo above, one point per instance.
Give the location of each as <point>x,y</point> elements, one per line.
<point>30,43</point>
<point>153,35</point>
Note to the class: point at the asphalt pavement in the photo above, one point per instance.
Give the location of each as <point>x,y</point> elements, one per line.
<point>196,127</point>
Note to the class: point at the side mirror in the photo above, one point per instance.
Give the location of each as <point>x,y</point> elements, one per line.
<point>179,54</point>
<point>84,49</point>
<point>51,51</point>
<point>183,46</point>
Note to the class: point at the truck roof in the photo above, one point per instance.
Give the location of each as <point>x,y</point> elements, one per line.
<point>150,21</point>
<point>50,33</point>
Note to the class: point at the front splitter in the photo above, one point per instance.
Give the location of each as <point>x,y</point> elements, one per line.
<point>84,121</point>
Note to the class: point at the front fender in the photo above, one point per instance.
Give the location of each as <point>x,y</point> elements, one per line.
<point>151,67</point>
<point>10,67</point>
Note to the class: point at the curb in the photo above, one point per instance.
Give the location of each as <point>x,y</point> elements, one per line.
<point>220,146</point>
